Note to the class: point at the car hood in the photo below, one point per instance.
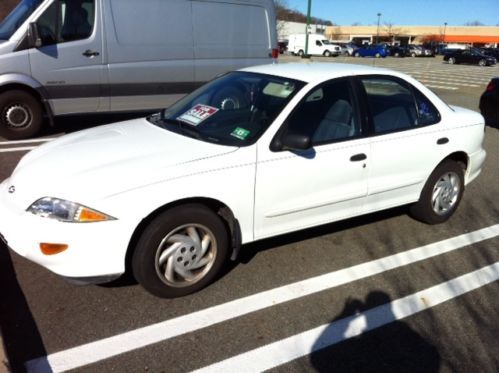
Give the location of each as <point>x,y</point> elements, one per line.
<point>107,160</point>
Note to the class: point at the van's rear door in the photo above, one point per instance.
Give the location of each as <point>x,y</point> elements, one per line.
<point>69,64</point>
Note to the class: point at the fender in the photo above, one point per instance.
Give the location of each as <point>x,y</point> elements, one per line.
<point>28,81</point>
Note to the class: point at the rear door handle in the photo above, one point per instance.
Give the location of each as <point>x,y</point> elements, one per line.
<point>89,53</point>
<point>442,141</point>
<point>358,157</point>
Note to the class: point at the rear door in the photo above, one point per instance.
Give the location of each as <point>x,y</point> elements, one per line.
<point>69,64</point>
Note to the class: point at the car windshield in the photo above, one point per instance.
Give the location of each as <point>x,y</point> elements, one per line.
<point>17,17</point>
<point>326,42</point>
<point>234,109</point>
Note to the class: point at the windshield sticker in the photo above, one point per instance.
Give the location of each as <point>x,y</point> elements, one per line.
<point>198,114</point>
<point>240,133</point>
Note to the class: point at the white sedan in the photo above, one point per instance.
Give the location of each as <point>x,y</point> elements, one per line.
<point>253,154</point>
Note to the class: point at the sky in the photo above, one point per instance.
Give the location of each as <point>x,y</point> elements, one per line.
<point>402,12</point>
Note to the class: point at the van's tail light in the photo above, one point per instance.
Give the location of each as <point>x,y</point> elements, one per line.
<point>275,53</point>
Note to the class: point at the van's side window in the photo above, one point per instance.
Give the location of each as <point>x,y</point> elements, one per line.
<point>67,20</point>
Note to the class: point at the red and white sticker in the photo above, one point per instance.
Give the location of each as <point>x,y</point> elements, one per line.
<point>198,114</point>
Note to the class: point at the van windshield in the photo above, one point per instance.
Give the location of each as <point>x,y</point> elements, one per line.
<point>233,110</point>
<point>17,17</point>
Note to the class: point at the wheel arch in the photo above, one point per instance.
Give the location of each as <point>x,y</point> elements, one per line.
<point>460,158</point>
<point>9,82</point>
<point>218,207</point>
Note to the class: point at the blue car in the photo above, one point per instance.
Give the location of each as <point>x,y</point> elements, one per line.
<point>371,51</point>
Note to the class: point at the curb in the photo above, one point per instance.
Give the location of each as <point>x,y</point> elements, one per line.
<point>4,363</point>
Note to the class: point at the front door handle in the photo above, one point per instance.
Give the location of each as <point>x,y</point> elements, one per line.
<point>442,141</point>
<point>89,53</point>
<point>358,157</point>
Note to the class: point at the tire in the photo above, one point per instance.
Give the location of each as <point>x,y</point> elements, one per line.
<point>377,55</point>
<point>441,194</point>
<point>482,63</point>
<point>170,258</point>
<point>301,53</point>
<point>413,54</point>
<point>356,54</point>
<point>452,60</point>
<point>327,53</point>
<point>21,115</point>
<point>397,54</point>
<point>347,54</point>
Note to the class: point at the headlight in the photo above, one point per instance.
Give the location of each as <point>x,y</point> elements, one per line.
<point>66,211</point>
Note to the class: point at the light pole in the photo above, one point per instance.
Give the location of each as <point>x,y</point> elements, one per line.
<point>309,10</point>
<point>445,27</point>
<point>377,32</point>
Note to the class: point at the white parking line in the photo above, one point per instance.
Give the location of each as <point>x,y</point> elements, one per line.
<point>303,344</point>
<point>450,88</point>
<point>105,348</point>
<point>443,81</point>
<point>20,149</point>
<point>16,142</point>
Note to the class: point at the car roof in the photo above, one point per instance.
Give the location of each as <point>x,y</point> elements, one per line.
<point>314,72</point>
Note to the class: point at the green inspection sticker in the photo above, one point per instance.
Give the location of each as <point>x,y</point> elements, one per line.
<point>240,133</point>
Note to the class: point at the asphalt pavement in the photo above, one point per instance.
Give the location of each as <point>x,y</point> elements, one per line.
<point>381,292</point>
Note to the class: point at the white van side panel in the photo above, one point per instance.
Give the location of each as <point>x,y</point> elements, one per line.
<point>150,50</point>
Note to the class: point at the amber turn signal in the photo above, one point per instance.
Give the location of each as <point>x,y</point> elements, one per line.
<point>52,248</point>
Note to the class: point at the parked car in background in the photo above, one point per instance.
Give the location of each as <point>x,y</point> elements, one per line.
<point>176,194</point>
<point>283,46</point>
<point>399,50</point>
<point>371,51</point>
<point>469,56</point>
<point>67,57</point>
<point>489,102</point>
<point>492,52</point>
<point>318,45</point>
<point>347,49</point>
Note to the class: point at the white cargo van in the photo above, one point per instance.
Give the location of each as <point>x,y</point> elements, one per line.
<point>317,45</point>
<point>61,57</point>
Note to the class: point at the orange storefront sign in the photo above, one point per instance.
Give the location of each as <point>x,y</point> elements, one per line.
<point>471,39</point>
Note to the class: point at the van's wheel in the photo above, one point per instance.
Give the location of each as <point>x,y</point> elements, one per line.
<point>441,194</point>
<point>301,53</point>
<point>181,251</point>
<point>327,53</point>
<point>482,63</point>
<point>21,115</point>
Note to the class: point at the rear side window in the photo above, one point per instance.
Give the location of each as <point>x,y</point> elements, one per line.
<point>395,105</point>
<point>67,20</point>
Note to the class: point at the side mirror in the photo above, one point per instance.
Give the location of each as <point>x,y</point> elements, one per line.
<point>34,39</point>
<point>291,141</point>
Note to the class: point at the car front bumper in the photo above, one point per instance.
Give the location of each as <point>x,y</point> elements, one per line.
<point>96,251</point>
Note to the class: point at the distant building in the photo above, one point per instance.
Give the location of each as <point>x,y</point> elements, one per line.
<point>399,34</point>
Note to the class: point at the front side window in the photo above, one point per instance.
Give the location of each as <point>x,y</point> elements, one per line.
<point>395,105</point>
<point>235,109</point>
<point>327,114</point>
<point>67,20</point>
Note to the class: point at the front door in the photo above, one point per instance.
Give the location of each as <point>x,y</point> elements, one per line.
<point>328,182</point>
<point>69,64</point>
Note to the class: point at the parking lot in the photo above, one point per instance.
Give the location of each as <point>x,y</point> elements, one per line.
<point>381,292</point>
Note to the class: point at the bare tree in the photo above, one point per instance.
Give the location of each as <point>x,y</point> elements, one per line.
<point>336,33</point>
<point>392,31</point>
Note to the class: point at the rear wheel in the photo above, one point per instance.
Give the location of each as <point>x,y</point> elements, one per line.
<point>301,53</point>
<point>21,115</point>
<point>452,60</point>
<point>441,194</point>
<point>377,55</point>
<point>482,63</point>
<point>181,251</point>
<point>356,54</point>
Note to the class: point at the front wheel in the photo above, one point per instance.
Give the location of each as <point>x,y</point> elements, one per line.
<point>441,194</point>
<point>452,60</point>
<point>181,251</point>
<point>356,54</point>
<point>377,55</point>
<point>327,53</point>
<point>21,115</point>
<point>482,63</point>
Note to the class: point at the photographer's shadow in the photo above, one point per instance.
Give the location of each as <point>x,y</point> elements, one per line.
<point>366,337</point>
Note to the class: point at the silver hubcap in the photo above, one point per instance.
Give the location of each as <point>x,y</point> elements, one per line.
<point>445,193</point>
<point>17,116</point>
<point>185,255</point>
